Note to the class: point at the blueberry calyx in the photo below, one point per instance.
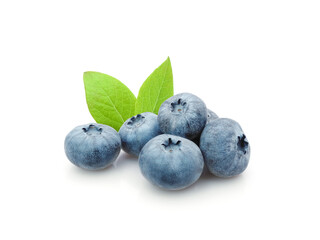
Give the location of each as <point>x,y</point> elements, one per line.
<point>92,129</point>
<point>242,143</point>
<point>178,106</point>
<point>169,145</point>
<point>136,120</point>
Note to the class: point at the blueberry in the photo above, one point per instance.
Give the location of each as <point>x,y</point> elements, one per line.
<point>92,146</point>
<point>211,116</point>
<point>137,131</point>
<point>225,148</point>
<point>171,162</point>
<point>183,115</point>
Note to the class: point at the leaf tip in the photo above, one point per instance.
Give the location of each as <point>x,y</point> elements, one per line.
<point>86,73</point>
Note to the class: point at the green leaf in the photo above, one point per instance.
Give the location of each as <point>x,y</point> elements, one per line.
<point>110,102</point>
<point>156,89</point>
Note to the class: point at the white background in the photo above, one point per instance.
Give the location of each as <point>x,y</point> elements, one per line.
<point>253,61</point>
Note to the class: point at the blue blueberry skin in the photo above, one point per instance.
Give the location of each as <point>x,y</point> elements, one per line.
<point>211,116</point>
<point>184,115</point>
<point>92,146</point>
<point>225,148</point>
<point>137,131</point>
<point>171,162</point>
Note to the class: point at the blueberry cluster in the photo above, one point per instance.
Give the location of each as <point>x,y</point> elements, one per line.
<point>172,148</point>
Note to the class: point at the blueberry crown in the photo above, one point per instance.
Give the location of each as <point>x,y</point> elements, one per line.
<point>169,145</point>
<point>135,119</point>
<point>92,129</point>
<point>243,143</point>
<point>178,106</point>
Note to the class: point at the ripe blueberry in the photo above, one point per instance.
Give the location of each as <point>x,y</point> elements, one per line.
<point>92,146</point>
<point>225,148</point>
<point>137,131</point>
<point>183,115</point>
<point>171,162</point>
